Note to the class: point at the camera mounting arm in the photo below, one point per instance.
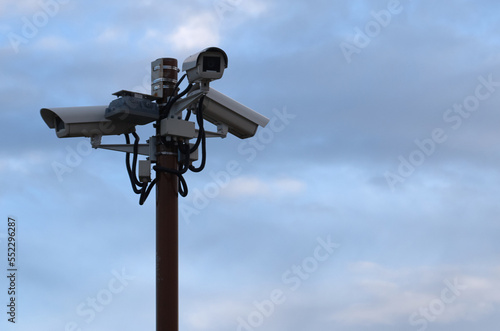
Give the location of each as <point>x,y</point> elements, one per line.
<point>148,149</point>
<point>184,103</point>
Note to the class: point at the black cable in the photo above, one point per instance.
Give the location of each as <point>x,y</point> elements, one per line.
<point>165,110</point>
<point>201,129</point>
<point>203,158</point>
<point>145,192</point>
<point>186,91</point>
<point>183,189</point>
<point>134,162</point>
<point>184,158</point>
<point>188,115</point>
<point>179,82</point>
<point>202,139</point>
<point>184,150</point>
<point>132,176</point>
<point>143,189</point>
<point>167,170</point>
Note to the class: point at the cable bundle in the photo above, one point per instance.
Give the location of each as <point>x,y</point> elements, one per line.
<point>184,151</point>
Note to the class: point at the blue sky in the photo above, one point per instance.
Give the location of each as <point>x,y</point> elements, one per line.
<point>370,203</point>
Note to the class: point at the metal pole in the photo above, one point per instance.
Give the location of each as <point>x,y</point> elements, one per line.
<point>164,77</point>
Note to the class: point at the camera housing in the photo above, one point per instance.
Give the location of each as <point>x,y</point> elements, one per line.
<point>83,122</point>
<point>241,121</point>
<point>205,66</point>
<point>133,107</point>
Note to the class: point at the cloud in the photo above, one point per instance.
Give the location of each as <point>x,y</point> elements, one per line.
<point>211,314</point>
<point>391,296</point>
<point>244,187</point>
<point>23,163</point>
<point>53,44</point>
<point>111,34</point>
<point>254,8</point>
<point>202,28</point>
<point>323,173</point>
<point>24,7</point>
<point>197,32</point>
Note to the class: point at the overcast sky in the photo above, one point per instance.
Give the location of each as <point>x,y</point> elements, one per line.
<point>370,201</point>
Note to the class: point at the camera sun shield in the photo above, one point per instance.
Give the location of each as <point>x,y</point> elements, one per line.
<point>130,109</point>
<point>205,66</point>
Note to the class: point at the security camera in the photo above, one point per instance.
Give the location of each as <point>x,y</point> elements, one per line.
<point>133,107</point>
<point>83,122</point>
<point>205,66</point>
<point>240,120</point>
<point>121,116</point>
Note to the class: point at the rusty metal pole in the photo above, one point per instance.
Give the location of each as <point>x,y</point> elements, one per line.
<point>164,74</point>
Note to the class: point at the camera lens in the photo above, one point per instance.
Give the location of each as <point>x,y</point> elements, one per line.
<point>211,63</point>
<point>59,125</point>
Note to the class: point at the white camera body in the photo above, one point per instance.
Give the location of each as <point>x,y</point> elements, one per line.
<point>240,120</point>
<point>205,66</point>
<point>131,109</point>
<point>83,122</point>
